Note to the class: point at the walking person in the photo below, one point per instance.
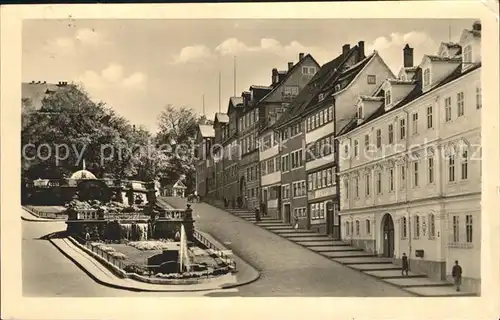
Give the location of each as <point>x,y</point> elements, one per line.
<point>257,214</point>
<point>456,273</point>
<point>405,266</point>
<point>296,221</point>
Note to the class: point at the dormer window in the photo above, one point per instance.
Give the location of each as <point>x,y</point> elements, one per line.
<point>337,88</point>
<point>427,77</point>
<point>360,112</point>
<point>467,55</point>
<point>388,98</point>
<point>321,97</point>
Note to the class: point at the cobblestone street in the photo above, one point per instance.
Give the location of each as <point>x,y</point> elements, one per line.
<point>286,268</point>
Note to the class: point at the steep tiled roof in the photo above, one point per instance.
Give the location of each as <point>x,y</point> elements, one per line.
<point>221,117</point>
<point>236,101</point>
<point>36,92</point>
<point>313,88</point>
<point>438,58</point>
<point>413,95</point>
<point>260,87</point>
<point>286,74</point>
<point>207,131</point>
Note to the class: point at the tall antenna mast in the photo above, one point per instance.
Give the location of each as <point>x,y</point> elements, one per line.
<point>219,90</point>
<point>234,91</point>
<point>203,103</point>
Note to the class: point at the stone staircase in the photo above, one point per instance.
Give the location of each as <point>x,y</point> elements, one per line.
<point>355,258</point>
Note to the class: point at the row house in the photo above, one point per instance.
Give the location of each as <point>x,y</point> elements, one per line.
<point>204,141</point>
<point>286,86</point>
<point>308,132</point>
<point>216,163</point>
<point>230,156</point>
<point>410,164</point>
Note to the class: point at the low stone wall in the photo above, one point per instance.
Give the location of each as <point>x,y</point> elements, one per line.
<point>122,274</point>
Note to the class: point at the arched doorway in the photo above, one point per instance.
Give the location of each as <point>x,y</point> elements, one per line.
<point>387,236</point>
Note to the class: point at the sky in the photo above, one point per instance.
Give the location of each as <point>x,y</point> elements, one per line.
<point>140,66</point>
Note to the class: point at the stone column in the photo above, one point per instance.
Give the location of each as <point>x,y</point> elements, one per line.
<point>188,223</point>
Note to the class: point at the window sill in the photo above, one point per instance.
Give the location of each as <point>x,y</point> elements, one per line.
<point>461,245</point>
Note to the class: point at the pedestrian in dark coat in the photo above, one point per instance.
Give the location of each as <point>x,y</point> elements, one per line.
<point>456,273</point>
<point>405,267</point>
<point>257,214</point>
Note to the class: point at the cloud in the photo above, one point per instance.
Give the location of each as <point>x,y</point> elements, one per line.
<point>391,48</point>
<point>233,46</point>
<point>82,38</point>
<point>197,53</point>
<point>111,78</point>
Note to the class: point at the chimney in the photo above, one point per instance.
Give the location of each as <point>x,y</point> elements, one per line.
<point>476,26</point>
<point>301,56</point>
<point>290,66</point>
<point>345,49</point>
<point>361,46</point>
<point>274,76</point>
<point>407,56</point>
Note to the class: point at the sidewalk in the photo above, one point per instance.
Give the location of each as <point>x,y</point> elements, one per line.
<point>27,215</point>
<point>354,258</point>
<point>104,276</point>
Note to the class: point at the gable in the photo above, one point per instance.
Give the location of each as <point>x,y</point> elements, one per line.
<point>179,184</point>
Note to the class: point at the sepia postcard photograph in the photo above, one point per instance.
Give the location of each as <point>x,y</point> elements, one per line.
<point>338,151</point>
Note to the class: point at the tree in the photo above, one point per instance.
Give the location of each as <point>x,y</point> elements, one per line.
<point>177,135</point>
<point>77,128</point>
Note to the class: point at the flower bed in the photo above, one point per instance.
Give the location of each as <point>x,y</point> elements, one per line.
<point>151,245</point>
<point>111,251</point>
<point>194,274</point>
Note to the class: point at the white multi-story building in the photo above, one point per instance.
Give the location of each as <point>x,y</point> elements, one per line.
<point>410,169</point>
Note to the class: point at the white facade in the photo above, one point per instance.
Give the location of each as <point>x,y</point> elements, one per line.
<point>418,168</point>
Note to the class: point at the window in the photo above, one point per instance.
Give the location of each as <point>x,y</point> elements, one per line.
<point>368,182</point>
<point>460,104</point>
<point>346,189</point>
<point>330,113</point>
<point>270,166</point>
<point>391,179</point>
<point>447,109</point>
<point>429,117</point>
<point>415,174</point>
<point>468,228</point>
<point>467,56</point>
<point>321,97</point>
<point>277,163</point>
<point>296,159</point>
<point>337,87</point>
<point>403,228</point>
<point>356,186</point>
<point>379,182</point>
<point>367,141</point>
<point>291,91</point>
<point>391,133</point>
<point>456,229</point>
<point>263,168</point>
<point>464,166</point>
<point>368,226</point>
<point>356,148</point>
<point>388,97</point>
<point>451,168</point>
<point>430,168</point>
<point>371,79</point>
<point>357,227</point>
<point>479,103</point>
<point>360,112</point>
<point>402,129</point>
<point>402,176</point>
<point>285,163</point>
<point>414,123</point>
<point>417,227</point>
<point>432,226</point>
<point>347,228</point>
<point>299,188</point>
<point>427,77</point>
<point>379,138</point>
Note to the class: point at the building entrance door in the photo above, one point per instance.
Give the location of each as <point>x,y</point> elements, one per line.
<point>287,214</point>
<point>388,236</point>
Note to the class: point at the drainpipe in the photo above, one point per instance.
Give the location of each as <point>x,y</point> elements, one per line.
<point>407,186</point>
